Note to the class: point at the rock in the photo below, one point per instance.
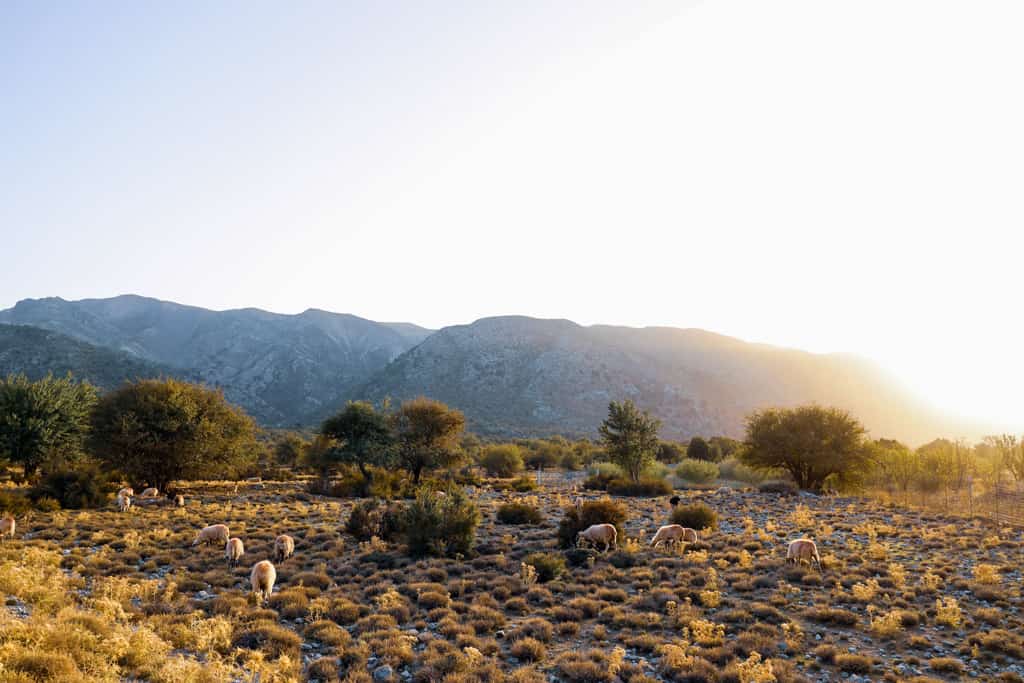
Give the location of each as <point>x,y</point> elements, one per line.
<point>383,673</point>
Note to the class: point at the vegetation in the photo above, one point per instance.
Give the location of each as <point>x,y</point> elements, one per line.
<point>698,516</point>
<point>360,436</point>
<point>427,434</point>
<point>82,487</point>
<point>697,471</point>
<point>646,487</point>
<point>156,431</point>
<point>42,420</point>
<point>502,460</point>
<point>698,449</point>
<point>547,566</point>
<point>578,517</point>
<point>519,513</point>
<point>442,525</point>
<point>811,443</point>
<point>630,437</point>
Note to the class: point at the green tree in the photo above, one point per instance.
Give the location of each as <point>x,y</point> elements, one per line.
<point>159,430</point>
<point>43,421</point>
<point>427,434</point>
<point>362,437</point>
<point>899,464</point>
<point>630,437</point>
<point>1011,453</point>
<point>810,442</point>
<point>670,452</point>
<point>290,449</point>
<point>502,460</point>
<point>698,449</point>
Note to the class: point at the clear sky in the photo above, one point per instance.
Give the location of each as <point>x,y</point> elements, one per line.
<point>834,176</point>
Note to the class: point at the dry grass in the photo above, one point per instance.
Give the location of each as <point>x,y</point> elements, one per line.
<point>101,596</point>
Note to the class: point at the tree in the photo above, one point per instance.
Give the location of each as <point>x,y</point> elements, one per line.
<point>362,437</point>
<point>290,449</point>
<point>43,420</point>
<point>630,437</point>
<point>502,460</point>
<point>810,442</point>
<point>698,449</point>
<point>1011,454</point>
<point>899,463</point>
<point>427,434</point>
<point>159,430</point>
<point>670,452</point>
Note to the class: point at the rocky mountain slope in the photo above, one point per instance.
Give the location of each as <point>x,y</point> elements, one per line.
<point>284,369</point>
<point>516,376</point>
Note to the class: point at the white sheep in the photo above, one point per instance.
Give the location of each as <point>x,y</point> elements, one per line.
<point>7,526</point>
<point>803,549</point>
<point>284,547</point>
<point>151,492</point>
<point>599,533</point>
<point>233,551</point>
<point>674,533</point>
<point>179,501</point>
<point>126,491</point>
<point>216,533</point>
<point>262,579</point>
<point>124,502</point>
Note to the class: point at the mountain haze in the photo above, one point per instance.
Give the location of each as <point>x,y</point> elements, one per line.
<point>512,376</point>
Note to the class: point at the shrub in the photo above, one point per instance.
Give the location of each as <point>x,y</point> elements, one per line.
<point>579,517</point>
<point>548,565</point>
<point>369,518</point>
<point>697,471</point>
<point>83,487</point>
<point>502,460</point>
<point>518,513</point>
<point>697,516</point>
<point>782,487</point>
<point>644,488</point>
<point>524,484</point>
<point>14,503</point>
<point>602,474</point>
<point>441,525</point>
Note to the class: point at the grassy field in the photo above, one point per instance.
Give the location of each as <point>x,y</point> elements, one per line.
<point>99,595</point>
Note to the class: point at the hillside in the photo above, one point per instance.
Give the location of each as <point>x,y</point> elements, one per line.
<point>284,369</point>
<point>36,352</point>
<point>516,376</point>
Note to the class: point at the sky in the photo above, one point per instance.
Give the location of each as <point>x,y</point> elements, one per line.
<point>832,176</point>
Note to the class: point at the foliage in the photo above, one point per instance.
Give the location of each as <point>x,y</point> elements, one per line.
<point>810,442</point>
<point>370,518</point>
<point>630,437</point>
<point>156,431</point>
<point>442,525</point>
<point>646,488</point>
<point>732,468</point>
<point>519,513</point>
<point>698,449</point>
<point>696,516</point>
<point>579,517</point>
<point>427,433</point>
<point>82,487</point>
<point>670,452</point>
<point>549,566</point>
<point>697,471</point>
<point>290,449</point>
<point>502,460</point>
<point>780,486</point>
<point>14,503</point>
<point>44,419</point>
<point>360,436</point>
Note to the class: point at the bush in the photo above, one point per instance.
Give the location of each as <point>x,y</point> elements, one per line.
<point>524,484</point>
<point>697,471</point>
<point>602,474</point>
<point>441,525</point>
<point>502,460</point>
<point>369,518</point>
<point>579,517</point>
<point>548,565</point>
<point>732,468</point>
<point>83,487</point>
<point>577,557</point>
<point>697,516</point>
<point>519,513</point>
<point>644,488</point>
<point>14,503</point>
<point>785,488</point>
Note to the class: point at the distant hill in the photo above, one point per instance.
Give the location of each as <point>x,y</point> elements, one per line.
<point>284,369</point>
<point>36,352</point>
<point>512,376</point>
<point>516,376</point>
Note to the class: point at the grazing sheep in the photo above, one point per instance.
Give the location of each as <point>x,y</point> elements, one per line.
<point>216,533</point>
<point>803,549</point>
<point>151,492</point>
<point>7,527</point>
<point>179,501</point>
<point>233,551</point>
<point>284,547</point>
<point>674,533</point>
<point>599,533</point>
<point>262,579</point>
<point>126,491</point>
<point>124,502</point>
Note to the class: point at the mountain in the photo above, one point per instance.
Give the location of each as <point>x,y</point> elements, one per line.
<point>284,369</point>
<point>36,352</point>
<point>517,376</point>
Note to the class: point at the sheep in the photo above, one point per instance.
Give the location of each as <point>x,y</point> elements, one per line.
<point>217,533</point>
<point>262,579</point>
<point>803,549</point>
<point>124,502</point>
<point>126,491</point>
<point>7,526</point>
<point>151,492</point>
<point>284,547</point>
<point>674,533</point>
<point>179,501</point>
<point>599,533</point>
<point>233,551</point>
